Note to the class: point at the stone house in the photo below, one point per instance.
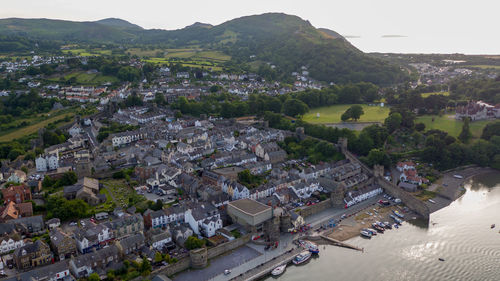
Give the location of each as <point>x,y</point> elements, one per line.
<point>32,255</point>
<point>130,244</point>
<point>84,265</point>
<point>63,245</point>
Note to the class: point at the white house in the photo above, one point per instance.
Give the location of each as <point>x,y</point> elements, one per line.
<point>125,138</point>
<point>203,220</point>
<point>8,244</point>
<point>17,176</point>
<point>47,162</point>
<point>75,130</point>
<point>305,190</point>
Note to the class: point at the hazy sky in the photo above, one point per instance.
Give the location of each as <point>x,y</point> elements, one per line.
<point>441,26</point>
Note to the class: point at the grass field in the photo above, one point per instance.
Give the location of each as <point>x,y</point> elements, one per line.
<point>28,130</point>
<point>424,95</point>
<point>485,66</point>
<point>448,124</point>
<point>87,53</point>
<point>331,114</point>
<point>84,78</point>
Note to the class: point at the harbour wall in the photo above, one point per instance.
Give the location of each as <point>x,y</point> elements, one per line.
<point>313,209</point>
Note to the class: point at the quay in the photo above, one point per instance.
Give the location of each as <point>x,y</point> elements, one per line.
<point>266,268</point>
<point>340,243</point>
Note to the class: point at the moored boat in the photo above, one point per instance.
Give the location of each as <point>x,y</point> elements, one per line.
<point>302,258</point>
<point>278,270</point>
<point>372,231</point>
<point>387,225</point>
<point>308,245</point>
<point>365,234</point>
<point>398,214</point>
<point>378,228</point>
<point>396,219</point>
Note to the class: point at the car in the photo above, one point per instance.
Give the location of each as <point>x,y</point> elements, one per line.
<point>73,223</point>
<point>343,216</point>
<point>384,202</point>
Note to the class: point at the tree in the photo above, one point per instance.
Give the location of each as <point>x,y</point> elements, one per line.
<point>377,157</point>
<point>420,127</point>
<point>158,257</point>
<point>193,243</point>
<point>491,129</point>
<point>465,134</point>
<point>94,277</point>
<point>354,112</point>
<point>393,122</point>
<point>160,99</point>
<point>294,107</point>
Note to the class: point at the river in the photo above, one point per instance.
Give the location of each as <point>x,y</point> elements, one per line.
<point>460,234</point>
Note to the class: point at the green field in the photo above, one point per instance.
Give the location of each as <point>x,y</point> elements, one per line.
<point>448,124</point>
<point>87,53</point>
<point>424,95</point>
<point>84,78</point>
<point>485,66</point>
<point>28,130</point>
<point>331,114</point>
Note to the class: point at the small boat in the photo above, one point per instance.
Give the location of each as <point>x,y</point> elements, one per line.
<point>493,226</point>
<point>441,259</point>
<point>378,227</point>
<point>365,234</point>
<point>302,258</point>
<point>227,272</point>
<point>308,245</point>
<point>278,270</point>
<point>396,219</point>
<point>388,225</point>
<point>396,226</point>
<point>432,201</point>
<point>398,214</point>
<point>371,231</point>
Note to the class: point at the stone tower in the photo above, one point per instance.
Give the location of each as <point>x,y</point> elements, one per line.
<point>199,258</point>
<point>378,171</point>
<point>342,143</point>
<point>337,196</point>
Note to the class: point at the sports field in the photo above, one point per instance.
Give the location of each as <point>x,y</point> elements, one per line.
<point>448,124</point>
<point>331,114</point>
<point>424,95</point>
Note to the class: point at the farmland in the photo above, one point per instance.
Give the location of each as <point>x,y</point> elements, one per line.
<point>425,95</point>
<point>448,124</point>
<point>37,123</point>
<point>331,114</point>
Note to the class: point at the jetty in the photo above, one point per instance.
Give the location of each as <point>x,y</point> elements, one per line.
<point>336,242</point>
<point>266,268</point>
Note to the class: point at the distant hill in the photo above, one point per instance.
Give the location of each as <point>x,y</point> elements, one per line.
<point>118,23</point>
<point>285,41</point>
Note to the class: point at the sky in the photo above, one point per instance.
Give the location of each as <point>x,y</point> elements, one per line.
<point>424,26</point>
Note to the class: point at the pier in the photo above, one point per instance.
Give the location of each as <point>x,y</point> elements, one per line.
<point>340,243</point>
<point>265,268</point>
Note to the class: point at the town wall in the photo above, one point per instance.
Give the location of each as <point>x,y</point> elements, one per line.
<point>228,246</point>
<point>314,209</point>
<point>413,203</point>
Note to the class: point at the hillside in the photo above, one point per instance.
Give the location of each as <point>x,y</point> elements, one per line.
<point>285,41</point>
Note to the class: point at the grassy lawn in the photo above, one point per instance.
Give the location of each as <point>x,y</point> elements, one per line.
<point>92,78</point>
<point>485,66</point>
<point>87,53</point>
<point>424,95</point>
<point>425,195</point>
<point>28,130</point>
<point>331,114</point>
<point>448,124</point>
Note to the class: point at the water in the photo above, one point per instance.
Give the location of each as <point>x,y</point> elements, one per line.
<point>459,233</point>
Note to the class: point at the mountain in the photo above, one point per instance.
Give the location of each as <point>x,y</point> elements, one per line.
<point>285,41</point>
<point>118,23</point>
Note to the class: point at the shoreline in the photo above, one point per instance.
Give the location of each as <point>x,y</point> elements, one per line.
<point>350,227</point>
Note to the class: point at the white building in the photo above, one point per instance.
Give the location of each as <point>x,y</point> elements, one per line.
<point>47,162</point>
<point>125,138</point>
<point>8,244</point>
<point>203,220</point>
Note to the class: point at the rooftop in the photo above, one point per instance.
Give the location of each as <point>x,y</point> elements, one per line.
<point>249,206</point>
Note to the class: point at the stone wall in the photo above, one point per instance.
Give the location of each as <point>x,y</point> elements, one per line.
<point>313,209</point>
<point>228,246</point>
<point>174,268</point>
<point>413,203</point>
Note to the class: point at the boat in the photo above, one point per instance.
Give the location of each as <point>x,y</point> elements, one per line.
<point>441,259</point>
<point>398,214</point>
<point>432,201</point>
<point>308,245</point>
<point>396,225</point>
<point>493,226</point>
<point>378,227</point>
<point>227,272</point>
<point>388,225</point>
<point>396,219</point>
<point>365,234</point>
<point>302,258</point>
<point>278,270</point>
<point>371,231</point>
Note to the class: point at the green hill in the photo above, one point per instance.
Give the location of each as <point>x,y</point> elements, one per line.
<point>286,41</point>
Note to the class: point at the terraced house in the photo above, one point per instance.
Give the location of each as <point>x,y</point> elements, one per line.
<point>33,255</point>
